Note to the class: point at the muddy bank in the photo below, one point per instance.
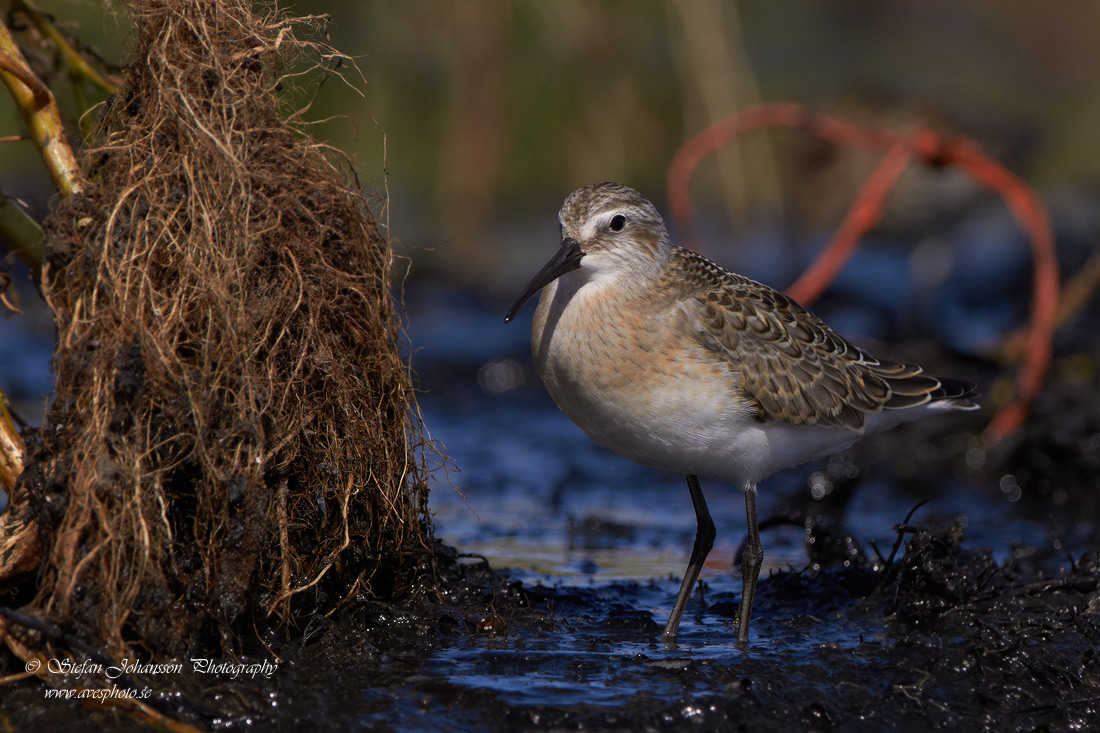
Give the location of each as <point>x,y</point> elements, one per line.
<point>951,640</point>
<point>948,639</point>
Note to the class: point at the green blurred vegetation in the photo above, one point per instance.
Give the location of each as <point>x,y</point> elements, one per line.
<point>493,111</point>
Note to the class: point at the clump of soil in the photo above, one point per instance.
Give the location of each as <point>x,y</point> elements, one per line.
<point>234,436</point>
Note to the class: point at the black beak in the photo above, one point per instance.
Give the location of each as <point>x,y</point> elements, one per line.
<point>567,258</point>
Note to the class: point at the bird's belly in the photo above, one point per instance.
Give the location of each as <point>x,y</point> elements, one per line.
<point>669,423</point>
<point>665,402</point>
<point>644,398</point>
<point>696,436</point>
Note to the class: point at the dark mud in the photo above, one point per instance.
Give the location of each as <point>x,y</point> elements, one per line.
<point>944,639</point>
<point>952,641</point>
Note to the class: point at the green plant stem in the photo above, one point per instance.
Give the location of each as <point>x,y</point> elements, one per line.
<point>38,108</point>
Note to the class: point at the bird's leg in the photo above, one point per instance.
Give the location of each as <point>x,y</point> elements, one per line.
<point>751,558</point>
<point>704,540</point>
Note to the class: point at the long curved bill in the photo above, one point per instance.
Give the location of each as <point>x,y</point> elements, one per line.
<point>567,258</point>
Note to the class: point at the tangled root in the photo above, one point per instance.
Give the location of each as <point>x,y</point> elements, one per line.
<point>234,434</point>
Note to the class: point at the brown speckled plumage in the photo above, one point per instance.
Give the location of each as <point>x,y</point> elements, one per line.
<point>792,366</point>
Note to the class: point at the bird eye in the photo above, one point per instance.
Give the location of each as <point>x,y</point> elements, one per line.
<point>618,222</point>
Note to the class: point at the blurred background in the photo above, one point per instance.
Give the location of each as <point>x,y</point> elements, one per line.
<point>493,111</point>
<point>476,118</point>
<point>479,117</point>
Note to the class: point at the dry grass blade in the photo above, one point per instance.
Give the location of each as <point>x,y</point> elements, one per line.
<point>20,548</point>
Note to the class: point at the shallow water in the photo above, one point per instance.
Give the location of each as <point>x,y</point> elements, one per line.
<point>537,497</point>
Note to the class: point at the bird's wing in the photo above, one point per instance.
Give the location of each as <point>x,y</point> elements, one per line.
<point>791,366</point>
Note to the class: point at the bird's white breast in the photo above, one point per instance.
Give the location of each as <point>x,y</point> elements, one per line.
<point>636,382</point>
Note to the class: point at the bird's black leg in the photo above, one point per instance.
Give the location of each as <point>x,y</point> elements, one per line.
<point>751,559</point>
<point>704,540</point>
